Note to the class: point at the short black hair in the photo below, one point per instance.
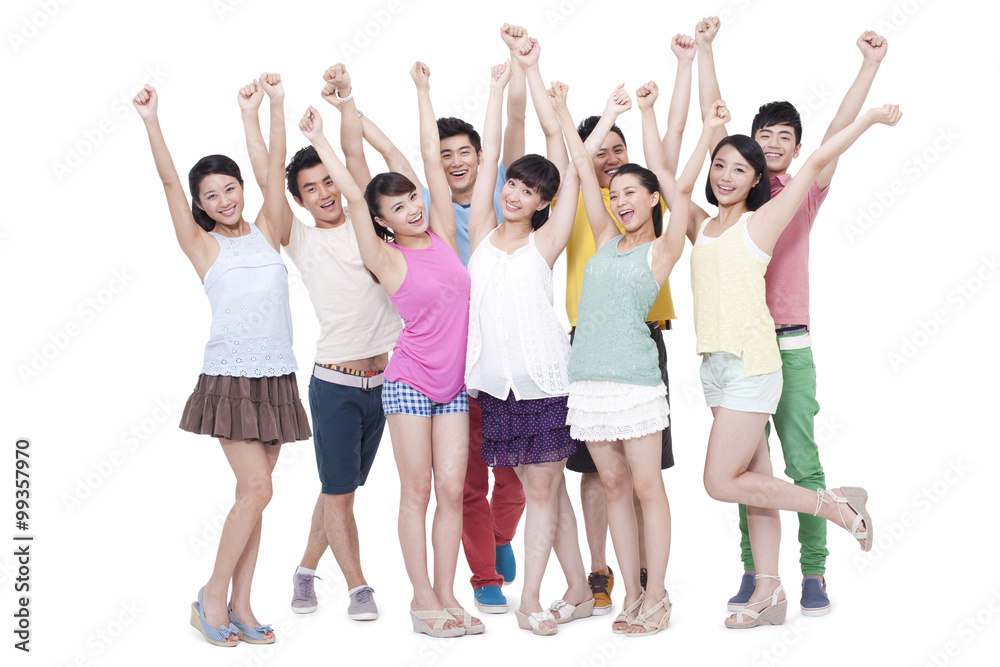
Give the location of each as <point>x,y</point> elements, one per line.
<point>587,125</point>
<point>538,174</point>
<point>304,158</point>
<point>751,151</point>
<point>454,127</point>
<point>778,113</point>
<point>208,165</point>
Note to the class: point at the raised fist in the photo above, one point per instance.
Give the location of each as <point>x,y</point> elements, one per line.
<point>888,114</point>
<point>718,116</point>
<point>420,73</point>
<point>271,83</point>
<point>619,102</point>
<point>338,76</point>
<point>557,95</point>
<point>706,30</point>
<point>683,47</point>
<point>873,46</point>
<point>145,102</point>
<point>646,94</point>
<point>528,52</point>
<point>512,35</point>
<point>250,96</point>
<point>500,75</point>
<point>311,124</point>
<point>329,93</point>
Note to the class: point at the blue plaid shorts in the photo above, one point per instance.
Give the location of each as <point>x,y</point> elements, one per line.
<point>401,398</point>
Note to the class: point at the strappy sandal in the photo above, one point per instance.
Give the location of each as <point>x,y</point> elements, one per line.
<point>628,616</point>
<point>571,612</point>
<point>773,614</point>
<point>649,628</point>
<point>856,498</point>
<point>466,619</point>
<point>440,617</point>
<point>534,620</point>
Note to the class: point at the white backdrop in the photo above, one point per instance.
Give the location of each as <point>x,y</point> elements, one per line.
<point>108,322</point>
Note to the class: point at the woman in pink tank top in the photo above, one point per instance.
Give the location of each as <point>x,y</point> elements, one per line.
<point>413,254</point>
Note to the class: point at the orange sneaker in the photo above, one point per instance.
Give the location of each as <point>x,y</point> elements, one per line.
<point>602,583</point>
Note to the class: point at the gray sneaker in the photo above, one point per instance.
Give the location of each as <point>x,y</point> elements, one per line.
<point>304,598</point>
<point>362,607</point>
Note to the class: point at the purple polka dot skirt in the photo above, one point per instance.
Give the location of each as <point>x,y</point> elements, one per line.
<point>524,432</point>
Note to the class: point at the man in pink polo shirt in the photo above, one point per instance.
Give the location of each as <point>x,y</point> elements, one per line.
<point>778,129</point>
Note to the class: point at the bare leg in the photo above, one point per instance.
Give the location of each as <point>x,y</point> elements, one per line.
<point>317,542</point>
<point>567,548</point>
<point>641,525</point>
<point>411,447</point>
<point>617,480</point>
<point>251,462</point>
<point>342,533</point>
<point>595,519</point>
<point>540,482</point>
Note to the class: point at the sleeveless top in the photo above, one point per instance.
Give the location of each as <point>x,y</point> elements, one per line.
<point>730,308</point>
<point>247,288</point>
<point>515,340</point>
<point>612,341</point>
<point>434,304</point>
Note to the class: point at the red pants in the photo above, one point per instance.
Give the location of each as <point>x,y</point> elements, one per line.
<point>487,524</point>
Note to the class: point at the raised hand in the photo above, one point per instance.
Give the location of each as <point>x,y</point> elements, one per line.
<point>873,46</point>
<point>421,73</point>
<point>512,35</point>
<point>271,83</point>
<point>646,94</point>
<point>311,124</point>
<point>706,30</point>
<point>528,52</point>
<point>145,102</point>
<point>683,47</point>
<point>250,96</point>
<point>557,94</point>
<point>337,75</point>
<point>329,93</point>
<point>887,114</point>
<point>619,102</point>
<point>500,75</point>
<point>718,115</point>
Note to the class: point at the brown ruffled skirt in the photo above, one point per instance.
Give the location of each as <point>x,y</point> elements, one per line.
<point>267,409</point>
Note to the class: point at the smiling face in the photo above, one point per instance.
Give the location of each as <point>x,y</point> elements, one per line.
<point>731,176</point>
<point>778,143</point>
<point>403,214</point>
<point>221,197</point>
<point>319,195</point>
<point>520,201</point>
<point>612,155</point>
<point>461,163</point>
<point>631,203</point>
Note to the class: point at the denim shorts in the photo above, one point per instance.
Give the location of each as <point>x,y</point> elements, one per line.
<point>726,385</point>
<point>401,398</point>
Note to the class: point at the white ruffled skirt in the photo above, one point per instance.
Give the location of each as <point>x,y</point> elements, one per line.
<point>600,410</point>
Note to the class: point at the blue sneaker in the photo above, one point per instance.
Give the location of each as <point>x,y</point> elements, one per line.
<point>506,565</point>
<point>815,601</point>
<point>490,600</point>
<point>747,586</point>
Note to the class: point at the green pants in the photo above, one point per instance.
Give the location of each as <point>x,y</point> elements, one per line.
<point>793,421</point>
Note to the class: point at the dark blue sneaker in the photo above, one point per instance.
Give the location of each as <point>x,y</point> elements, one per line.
<point>815,601</point>
<point>506,565</point>
<point>748,584</point>
<point>490,600</point>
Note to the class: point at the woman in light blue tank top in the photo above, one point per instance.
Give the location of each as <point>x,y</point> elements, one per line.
<point>247,394</point>
<point>617,397</point>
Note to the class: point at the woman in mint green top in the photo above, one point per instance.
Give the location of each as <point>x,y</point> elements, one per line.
<point>617,400</point>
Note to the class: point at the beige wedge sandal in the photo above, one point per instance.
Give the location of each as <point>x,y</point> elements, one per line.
<point>439,617</point>
<point>628,616</point>
<point>856,498</point>
<point>773,614</point>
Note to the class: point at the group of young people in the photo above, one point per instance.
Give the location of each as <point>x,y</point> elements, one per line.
<point>454,276</point>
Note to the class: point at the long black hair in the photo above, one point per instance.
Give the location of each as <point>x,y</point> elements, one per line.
<point>388,184</point>
<point>751,151</point>
<point>208,165</point>
<point>648,180</point>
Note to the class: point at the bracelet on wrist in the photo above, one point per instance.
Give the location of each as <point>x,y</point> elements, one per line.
<point>343,100</point>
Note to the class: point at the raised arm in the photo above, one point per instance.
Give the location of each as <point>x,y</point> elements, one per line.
<point>384,261</point>
<point>249,99</point>
<point>873,48</point>
<point>668,247</point>
<point>680,99</point>
<point>338,92</point>
<point>552,238</point>
<point>517,96</point>
<point>275,221</point>
<point>772,218</point>
<point>708,83</point>
<point>441,217</point>
<point>196,243</point>
<point>482,215</point>
<point>601,223</point>
<point>555,148</point>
